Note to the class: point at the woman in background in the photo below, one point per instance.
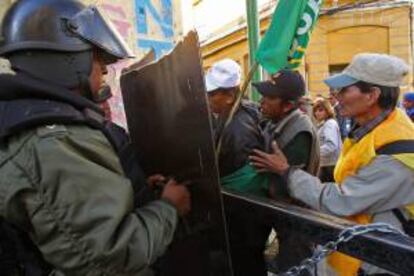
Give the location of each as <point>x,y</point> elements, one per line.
<point>329,136</point>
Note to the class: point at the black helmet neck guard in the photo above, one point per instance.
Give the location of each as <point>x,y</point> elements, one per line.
<point>61,68</point>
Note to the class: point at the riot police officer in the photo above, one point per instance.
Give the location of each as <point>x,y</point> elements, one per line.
<point>62,183</point>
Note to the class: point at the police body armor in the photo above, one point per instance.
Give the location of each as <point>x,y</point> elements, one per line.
<point>51,45</point>
<point>18,254</point>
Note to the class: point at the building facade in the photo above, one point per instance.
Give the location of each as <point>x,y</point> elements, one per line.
<point>344,29</point>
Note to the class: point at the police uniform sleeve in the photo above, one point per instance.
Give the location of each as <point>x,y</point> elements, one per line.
<point>82,209</point>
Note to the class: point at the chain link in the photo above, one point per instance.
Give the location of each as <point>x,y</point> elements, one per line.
<point>344,236</point>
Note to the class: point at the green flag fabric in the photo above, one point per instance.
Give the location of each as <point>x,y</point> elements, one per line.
<point>247,180</point>
<point>285,42</point>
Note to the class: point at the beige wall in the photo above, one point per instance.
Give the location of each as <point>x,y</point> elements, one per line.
<point>335,40</point>
<point>232,46</point>
<point>4,4</point>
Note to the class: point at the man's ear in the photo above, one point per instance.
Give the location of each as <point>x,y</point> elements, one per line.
<point>374,96</point>
<point>287,106</point>
<point>230,98</point>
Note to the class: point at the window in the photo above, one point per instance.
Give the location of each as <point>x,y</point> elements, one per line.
<point>336,68</point>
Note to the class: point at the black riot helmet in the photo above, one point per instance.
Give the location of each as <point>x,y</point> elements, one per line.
<point>54,40</point>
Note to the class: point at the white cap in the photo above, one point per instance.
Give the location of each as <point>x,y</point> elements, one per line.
<point>223,74</point>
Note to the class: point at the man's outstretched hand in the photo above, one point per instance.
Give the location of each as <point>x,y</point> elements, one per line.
<point>275,162</point>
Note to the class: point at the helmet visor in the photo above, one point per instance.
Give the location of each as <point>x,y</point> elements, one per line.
<point>93,26</point>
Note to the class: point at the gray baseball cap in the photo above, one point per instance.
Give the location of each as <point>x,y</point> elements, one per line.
<point>380,69</point>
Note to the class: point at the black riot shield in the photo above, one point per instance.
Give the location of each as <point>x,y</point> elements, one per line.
<point>170,127</point>
<point>147,59</point>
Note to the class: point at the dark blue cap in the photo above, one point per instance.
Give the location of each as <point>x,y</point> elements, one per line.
<point>409,96</point>
<point>286,84</point>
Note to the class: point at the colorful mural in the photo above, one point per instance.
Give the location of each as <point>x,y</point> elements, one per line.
<point>119,16</point>
<point>144,24</point>
<point>155,25</point>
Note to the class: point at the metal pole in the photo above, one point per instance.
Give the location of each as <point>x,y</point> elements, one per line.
<point>253,28</point>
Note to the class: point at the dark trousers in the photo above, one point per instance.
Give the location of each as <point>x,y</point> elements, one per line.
<point>248,234</point>
<point>293,249</point>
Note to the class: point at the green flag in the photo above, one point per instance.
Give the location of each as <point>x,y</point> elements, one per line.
<point>286,40</point>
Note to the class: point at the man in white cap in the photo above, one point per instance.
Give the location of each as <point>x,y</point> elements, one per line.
<point>375,173</point>
<point>242,134</point>
<point>247,232</point>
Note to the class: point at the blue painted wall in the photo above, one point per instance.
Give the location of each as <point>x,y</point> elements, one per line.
<point>162,16</point>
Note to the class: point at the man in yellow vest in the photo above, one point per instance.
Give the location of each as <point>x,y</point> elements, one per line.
<point>375,173</point>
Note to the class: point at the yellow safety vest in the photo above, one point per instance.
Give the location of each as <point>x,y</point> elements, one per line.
<point>356,155</point>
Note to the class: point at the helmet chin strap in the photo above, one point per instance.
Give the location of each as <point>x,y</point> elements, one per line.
<point>100,96</point>
<point>85,86</point>
<point>103,94</point>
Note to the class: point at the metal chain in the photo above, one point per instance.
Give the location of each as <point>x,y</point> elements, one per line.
<point>332,246</point>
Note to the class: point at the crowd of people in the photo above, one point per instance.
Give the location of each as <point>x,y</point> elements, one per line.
<point>63,165</point>
<point>350,154</point>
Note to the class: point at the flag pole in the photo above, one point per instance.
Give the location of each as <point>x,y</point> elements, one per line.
<point>253,35</point>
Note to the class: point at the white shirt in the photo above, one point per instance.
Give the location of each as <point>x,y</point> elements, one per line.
<point>330,142</point>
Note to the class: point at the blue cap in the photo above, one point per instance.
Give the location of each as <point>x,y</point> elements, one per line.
<point>340,81</point>
<point>409,96</point>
